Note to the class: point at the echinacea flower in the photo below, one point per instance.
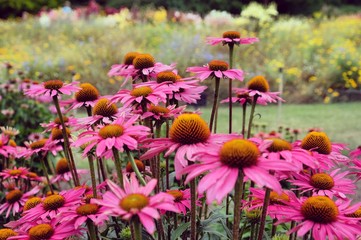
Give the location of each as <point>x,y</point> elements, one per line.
<point>135,200</point>
<point>320,215</point>
<point>85,97</point>
<point>231,37</point>
<point>5,149</point>
<point>6,233</point>
<point>15,173</point>
<point>42,146</point>
<point>125,68</point>
<point>160,113</point>
<point>63,172</point>
<point>52,88</point>
<point>223,164</point>
<point>216,68</point>
<point>356,153</point>
<point>68,121</point>
<point>120,134</point>
<point>9,131</point>
<point>182,199</point>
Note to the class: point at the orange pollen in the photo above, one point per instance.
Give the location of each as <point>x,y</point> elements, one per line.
<point>189,128</point>
<point>103,108</point>
<point>216,65</point>
<point>158,109</point>
<point>111,130</point>
<point>5,233</point>
<point>322,181</point>
<point>38,144</point>
<point>57,120</point>
<point>142,61</point>
<point>134,201</point>
<point>317,141</point>
<point>15,172</point>
<point>87,93</point>
<point>87,209</point>
<point>129,57</point>
<point>62,166</point>
<point>31,203</point>
<point>53,202</point>
<point>258,83</point>
<point>13,196</point>
<point>239,153</point>
<point>275,198</point>
<point>141,91</point>
<point>53,84</point>
<point>356,214</point>
<point>166,77</point>
<point>178,195</point>
<point>279,145</point>
<point>231,34</point>
<point>57,133</point>
<point>319,209</point>
<point>139,164</point>
<point>41,232</point>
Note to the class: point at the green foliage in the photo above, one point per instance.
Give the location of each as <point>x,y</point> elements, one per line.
<point>11,8</point>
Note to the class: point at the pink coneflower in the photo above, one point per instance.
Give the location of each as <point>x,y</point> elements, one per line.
<point>52,88</point>
<point>134,200</point>
<point>188,133</point>
<point>224,163</point>
<point>126,69</point>
<point>5,149</point>
<point>120,134</point>
<point>42,146</point>
<point>231,37</point>
<point>15,200</point>
<point>324,218</point>
<point>182,200</point>
<point>325,184</point>
<point>6,233</point>
<point>356,153</point>
<point>63,172</point>
<point>216,68</point>
<point>161,113</point>
<point>85,97</point>
<point>68,121</point>
<point>357,167</point>
<point>15,173</point>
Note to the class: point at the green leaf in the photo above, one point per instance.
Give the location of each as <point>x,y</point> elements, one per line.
<point>179,231</point>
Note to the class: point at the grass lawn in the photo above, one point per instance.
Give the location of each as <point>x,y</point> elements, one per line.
<point>341,121</point>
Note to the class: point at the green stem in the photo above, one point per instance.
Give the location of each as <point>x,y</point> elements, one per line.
<point>46,174</point>
<point>193,209</point>
<point>92,231</point>
<point>137,227</point>
<point>231,45</point>
<point>238,189</point>
<point>244,111</point>
<point>215,102</point>
<point>118,166</point>
<point>92,174</point>
<point>254,103</point>
<point>264,213</point>
<point>135,168</point>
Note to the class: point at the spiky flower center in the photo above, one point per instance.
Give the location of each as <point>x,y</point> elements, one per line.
<point>239,153</point>
<point>129,57</point>
<point>53,84</point>
<point>38,144</point>
<point>167,76</point>
<point>143,91</point>
<point>258,83</point>
<point>15,172</point>
<point>158,109</point>
<point>216,65</point>
<point>62,166</point>
<point>87,93</point>
<point>41,232</point>
<point>254,215</point>
<point>111,130</point>
<point>231,34</point>
<point>356,214</point>
<point>279,145</point>
<point>317,141</point>
<point>57,120</point>
<point>31,203</point>
<point>134,201</point>
<point>189,128</point>
<point>142,61</point>
<point>139,164</point>
<point>87,209</point>
<point>13,196</point>
<point>32,175</point>
<point>12,143</point>
<point>103,108</point>
<point>57,133</point>
<point>6,233</point>
<point>275,198</point>
<point>319,209</point>
<point>178,195</point>
<point>53,202</point>
<point>322,181</point>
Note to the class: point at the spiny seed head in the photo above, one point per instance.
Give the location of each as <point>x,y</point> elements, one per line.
<point>189,128</point>
<point>5,233</point>
<point>158,109</point>
<point>254,215</point>
<point>275,198</point>
<point>319,209</point>
<point>231,34</point>
<point>258,83</point>
<point>49,193</point>
<point>322,181</point>
<point>317,141</point>
<point>139,164</point>
<point>31,203</point>
<point>103,108</point>
<point>12,143</point>
<point>129,57</point>
<point>142,61</point>
<point>143,91</point>
<point>178,195</point>
<point>41,232</point>
<point>111,130</point>
<point>38,144</point>
<point>32,175</point>
<point>87,93</point>
<point>57,120</point>
<point>87,209</point>
<point>279,145</point>
<point>53,202</point>
<point>166,76</point>
<point>356,214</point>
<point>216,65</point>
<point>62,166</point>
<point>15,172</point>
<point>57,134</point>
<point>53,84</point>
<point>239,153</point>
<point>134,201</point>
<point>13,196</point>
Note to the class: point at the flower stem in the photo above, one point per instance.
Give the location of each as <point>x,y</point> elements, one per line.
<point>252,115</point>
<point>118,167</point>
<point>238,189</point>
<point>46,173</point>
<point>231,45</point>
<point>137,227</point>
<point>215,103</point>
<point>193,209</point>
<point>92,174</point>
<point>135,168</point>
<point>92,231</point>
<point>264,213</point>
<point>244,111</point>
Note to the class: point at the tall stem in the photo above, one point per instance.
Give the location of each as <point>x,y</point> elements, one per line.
<point>118,167</point>
<point>193,209</point>
<point>237,204</point>
<point>137,227</point>
<point>135,168</point>
<point>231,45</point>
<point>264,213</point>
<point>91,229</point>
<point>244,111</point>
<point>254,103</point>
<point>46,173</point>
<point>92,174</point>
<point>215,102</point>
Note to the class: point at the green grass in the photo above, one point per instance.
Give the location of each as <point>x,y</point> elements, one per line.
<point>340,121</point>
